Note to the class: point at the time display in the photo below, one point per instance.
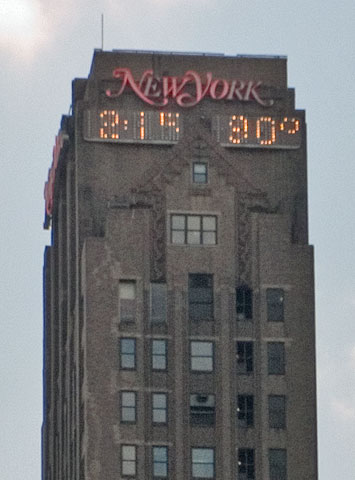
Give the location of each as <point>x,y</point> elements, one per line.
<point>258,132</point>
<point>133,126</point>
<point>243,131</point>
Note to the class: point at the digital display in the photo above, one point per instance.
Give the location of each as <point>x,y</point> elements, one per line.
<point>239,130</point>
<point>132,126</point>
<point>258,132</point>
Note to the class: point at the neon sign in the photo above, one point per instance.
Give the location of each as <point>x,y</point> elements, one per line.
<point>187,91</point>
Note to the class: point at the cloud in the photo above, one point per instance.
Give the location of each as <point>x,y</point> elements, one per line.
<point>27,26</point>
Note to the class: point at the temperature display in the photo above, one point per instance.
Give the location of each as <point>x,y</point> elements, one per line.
<point>258,132</point>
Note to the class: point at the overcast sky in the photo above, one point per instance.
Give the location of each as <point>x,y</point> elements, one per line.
<point>44,44</point>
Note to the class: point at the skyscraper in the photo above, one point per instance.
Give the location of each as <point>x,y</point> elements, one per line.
<point>178,287</point>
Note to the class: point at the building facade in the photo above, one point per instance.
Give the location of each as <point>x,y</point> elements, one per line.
<point>179,337</point>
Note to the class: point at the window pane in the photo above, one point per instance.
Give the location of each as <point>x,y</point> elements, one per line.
<point>202,364</point>
<point>200,168</point>
<point>209,222</point>
<point>178,237</point>
<point>193,238</point>
<point>194,222</point>
<point>129,452</point>
<point>178,222</point>
<point>278,464</point>
<point>128,356</point>
<point>276,358</point>
<point>202,462</point>
<point>127,290</point>
<point>128,345</point>
<point>275,304</point>
<point>158,302</point>
<point>160,461</point>
<point>277,411</point>
<point>209,238</point>
<point>201,348</point>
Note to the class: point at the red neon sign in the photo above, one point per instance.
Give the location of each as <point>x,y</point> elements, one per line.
<point>157,91</point>
<point>49,185</point>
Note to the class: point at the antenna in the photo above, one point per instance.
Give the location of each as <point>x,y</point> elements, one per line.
<point>102,31</point>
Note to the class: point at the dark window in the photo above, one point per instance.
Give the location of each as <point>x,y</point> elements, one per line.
<point>246,465</point>
<point>203,462</point>
<point>244,358</point>
<point>244,303</point>
<point>275,304</point>
<point>277,411</point>
<point>276,358</point>
<point>202,409</point>
<point>159,354</point>
<point>201,356</point>
<point>278,464</point>
<point>245,410</point>
<point>200,296</point>
<point>128,406</point>
<point>158,303</point>
<point>128,460</point>
<point>160,462</point>
<point>199,172</point>
<point>127,300</point>
<point>194,229</point>
<point>128,353</point>
<point>159,407</point>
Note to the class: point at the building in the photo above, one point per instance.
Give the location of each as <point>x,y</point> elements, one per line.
<point>179,288</point>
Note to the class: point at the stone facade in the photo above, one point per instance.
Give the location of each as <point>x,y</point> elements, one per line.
<point>114,204</point>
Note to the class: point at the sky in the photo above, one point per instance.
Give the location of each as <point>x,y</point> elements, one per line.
<point>44,44</point>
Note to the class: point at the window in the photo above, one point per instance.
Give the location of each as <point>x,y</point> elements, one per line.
<point>275,304</point>
<point>128,353</point>
<point>245,410</point>
<point>244,358</point>
<point>128,407</point>
<point>244,303</point>
<point>276,358</point>
<point>194,229</point>
<point>127,299</point>
<point>159,407</point>
<point>246,465</point>
<point>160,462</point>
<point>159,354</point>
<point>199,172</point>
<point>278,464</point>
<point>158,302</point>
<point>128,460</point>
<point>201,356</point>
<point>203,463</point>
<point>202,409</point>
<point>200,296</point>
<point>277,411</point>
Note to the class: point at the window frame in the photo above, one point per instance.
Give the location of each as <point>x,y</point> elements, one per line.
<point>160,409</point>
<point>247,357</point>
<point>245,412</point>
<point>275,311</point>
<point>277,475</point>
<point>201,230</point>
<point>134,354</point>
<point>244,305</point>
<point>128,461</point>
<point>159,355</point>
<point>193,303</point>
<point>154,461</point>
<point>271,370</point>
<point>202,419</point>
<point>133,301</point>
<point>202,356</point>
<point>244,463</point>
<point>277,413</point>
<point>158,320</point>
<point>193,463</point>
<point>195,174</point>
<point>122,406</point>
